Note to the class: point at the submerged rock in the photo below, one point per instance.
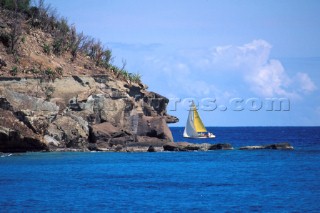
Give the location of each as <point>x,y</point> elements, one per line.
<point>285,146</point>
<point>185,146</point>
<point>221,146</point>
<point>281,146</point>
<point>251,147</point>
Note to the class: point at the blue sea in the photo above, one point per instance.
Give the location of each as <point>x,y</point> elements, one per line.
<point>214,181</point>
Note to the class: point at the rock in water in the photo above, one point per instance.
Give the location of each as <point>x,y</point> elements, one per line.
<point>281,146</point>
<point>221,146</point>
<point>184,146</point>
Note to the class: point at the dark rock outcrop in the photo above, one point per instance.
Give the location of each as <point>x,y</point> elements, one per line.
<point>184,146</point>
<point>12,141</point>
<point>280,146</point>
<point>221,146</point>
<point>17,137</point>
<point>106,137</point>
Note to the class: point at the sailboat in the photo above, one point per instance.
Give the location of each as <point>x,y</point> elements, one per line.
<point>194,127</point>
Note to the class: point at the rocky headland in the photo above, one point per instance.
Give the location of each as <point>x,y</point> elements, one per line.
<point>80,113</point>
<point>59,91</point>
<point>89,113</point>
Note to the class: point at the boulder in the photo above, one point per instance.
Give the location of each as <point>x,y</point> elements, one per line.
<point>105,136</point>
<point>15,136</point>
<point>12,141</point>
<point>154,127</point>
<point>69,132</point>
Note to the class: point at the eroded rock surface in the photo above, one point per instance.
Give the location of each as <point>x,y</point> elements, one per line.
<point>80,113</point>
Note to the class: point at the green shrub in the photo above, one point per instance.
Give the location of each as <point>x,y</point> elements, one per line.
<point>49,72</point>
<point>46,49</point>
<point>106,58</point>
<point>115,69</point>
<point>57,47</point>
<point>14,71</point>
<point>135,77</point>
<point>22,5</point>
<point>23,39</point>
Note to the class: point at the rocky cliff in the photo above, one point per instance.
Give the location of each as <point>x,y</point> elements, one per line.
<point>59,90</point>
<point>80,113</point>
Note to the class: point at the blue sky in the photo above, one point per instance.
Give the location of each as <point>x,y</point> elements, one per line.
<point>215,50</point>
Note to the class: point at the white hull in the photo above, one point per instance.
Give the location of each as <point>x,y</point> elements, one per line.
<point>200,137</point>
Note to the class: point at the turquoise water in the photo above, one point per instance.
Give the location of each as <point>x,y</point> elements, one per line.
<point>221,181</point>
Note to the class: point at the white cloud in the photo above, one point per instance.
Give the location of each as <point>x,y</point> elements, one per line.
<point>240,70</point>
<point>270,80</point>
<point>306,84</point>
<point>264,76</point>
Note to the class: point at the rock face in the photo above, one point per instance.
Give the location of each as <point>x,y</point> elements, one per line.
<point>281,146</point>
<point>80,113</point>
<point>17,137</point>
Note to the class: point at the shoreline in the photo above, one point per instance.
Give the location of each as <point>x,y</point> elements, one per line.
<point>171,147</point>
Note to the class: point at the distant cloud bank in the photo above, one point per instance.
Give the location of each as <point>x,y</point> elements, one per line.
<point>198,72</point>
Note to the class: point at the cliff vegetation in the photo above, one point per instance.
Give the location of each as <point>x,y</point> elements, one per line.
<point>59,90</point>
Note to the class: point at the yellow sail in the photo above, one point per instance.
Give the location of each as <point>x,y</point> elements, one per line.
<point>198,122</point>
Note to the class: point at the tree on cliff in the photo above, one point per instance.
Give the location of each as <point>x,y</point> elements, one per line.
<point>25,19</point>
<point>20,5</point>
<point>14,34</point>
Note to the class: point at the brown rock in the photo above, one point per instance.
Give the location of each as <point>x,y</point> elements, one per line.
<point>106,136</point>
<point>16,137</point>
<point>69,131</point>
<point>12,141</point>
<point>105,129</point>
<point>172,147</point>
<point>62,119</point>
<point>154,127</point>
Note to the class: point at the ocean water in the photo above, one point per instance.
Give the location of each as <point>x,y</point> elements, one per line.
<point>215,181</point>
